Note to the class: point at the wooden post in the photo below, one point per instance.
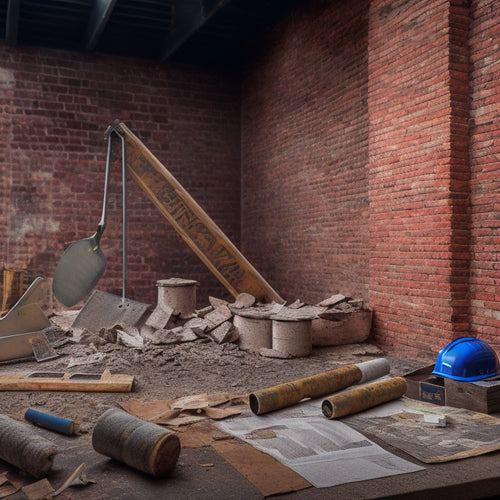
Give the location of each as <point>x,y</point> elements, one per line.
<point>12,288</point>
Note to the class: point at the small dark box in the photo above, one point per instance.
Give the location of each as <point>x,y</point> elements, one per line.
<point>424,386</point>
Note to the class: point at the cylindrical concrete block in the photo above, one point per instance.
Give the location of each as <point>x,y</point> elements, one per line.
<point>142,445</point>
<point>178,294</point>
<point>292,337</point>
<point>362,398</point>
<point>19,446</point>
<point>254,333</point>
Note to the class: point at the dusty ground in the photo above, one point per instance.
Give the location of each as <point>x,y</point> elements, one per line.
<point>172,371</point>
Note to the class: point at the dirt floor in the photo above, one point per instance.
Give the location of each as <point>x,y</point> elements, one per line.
<point>170,371</point>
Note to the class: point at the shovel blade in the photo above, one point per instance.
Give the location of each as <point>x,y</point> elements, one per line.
<point>80,268</point>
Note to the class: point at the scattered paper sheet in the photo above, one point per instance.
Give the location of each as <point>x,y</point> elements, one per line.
<point>325,452</point>
<point>186,410</point>
<point>8,485</point>
<point>467,433</point>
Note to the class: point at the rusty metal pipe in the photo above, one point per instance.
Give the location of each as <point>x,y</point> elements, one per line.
<point>315,386</point>
<point>362,398</point>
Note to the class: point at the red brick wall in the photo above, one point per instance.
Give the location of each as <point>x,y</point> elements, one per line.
<point>485,171</point>
<point>369,162</point>
<point>418,173</point>
<point>355,164</point>
<point>54,110</point>
<point>304,154</point>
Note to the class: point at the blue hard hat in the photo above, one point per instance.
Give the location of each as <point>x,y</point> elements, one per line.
<point>467,359</point>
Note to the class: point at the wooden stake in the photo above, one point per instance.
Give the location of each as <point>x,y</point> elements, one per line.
<point>12,288</point>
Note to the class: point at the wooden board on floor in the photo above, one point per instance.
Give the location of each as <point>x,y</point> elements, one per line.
<point>85,382</point>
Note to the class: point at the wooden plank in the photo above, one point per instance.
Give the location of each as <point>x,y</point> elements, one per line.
<point>106,382</point>
<point>195,227</point>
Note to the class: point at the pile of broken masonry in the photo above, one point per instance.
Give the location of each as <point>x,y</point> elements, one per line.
<point>272,330</point>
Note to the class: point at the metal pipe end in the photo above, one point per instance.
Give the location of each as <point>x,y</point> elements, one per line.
<point>254,403</point>
<point>327,408</point>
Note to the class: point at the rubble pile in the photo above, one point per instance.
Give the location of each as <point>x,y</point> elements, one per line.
<point>247,324</point>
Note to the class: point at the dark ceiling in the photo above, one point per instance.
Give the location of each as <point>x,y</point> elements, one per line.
<point>187,30</point>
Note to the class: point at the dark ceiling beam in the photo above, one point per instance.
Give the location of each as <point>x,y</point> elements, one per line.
<point>187,17</point>
<point>98,18</point>
<point>12,26</point>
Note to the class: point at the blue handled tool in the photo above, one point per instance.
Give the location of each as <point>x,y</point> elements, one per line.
<point>51,422</point>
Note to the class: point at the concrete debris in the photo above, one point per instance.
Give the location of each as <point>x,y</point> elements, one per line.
<point>129,337</point>
<point>296,305</point>
<point>244,300</point>
<point>216,302</point>
<point>217,317</point>
<point>216,322</point>
<point>334,320</point>
<point>174,336</point>
<point>333,300</point>
<point>201,313</point>
<point>160,317</point>
<point>223,332</point>
<point>97,357</point>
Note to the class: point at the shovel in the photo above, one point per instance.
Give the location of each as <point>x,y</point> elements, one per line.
<point>83,262</point>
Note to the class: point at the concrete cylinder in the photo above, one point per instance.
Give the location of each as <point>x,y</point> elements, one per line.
<point>254,333</point>
<point>178,294</point>
<point>142,445</point>
<point>292,337</point>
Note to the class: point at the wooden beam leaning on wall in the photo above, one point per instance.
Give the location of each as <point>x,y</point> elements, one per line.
<point>195,227</point>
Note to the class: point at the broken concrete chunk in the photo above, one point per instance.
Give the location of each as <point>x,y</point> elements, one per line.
<point>198,325</point>
<point>304,313</point>
<point>215,302</point>
<point>174,336</point>
<point>333,300</point>
<point>129,337</point>
<point>296,305</point>
<point>244,300</point>
<point>86,360</point>
<point>201,313</point>
<point>217,317</point>
<point>159,318</point>
<point>222,333</point>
